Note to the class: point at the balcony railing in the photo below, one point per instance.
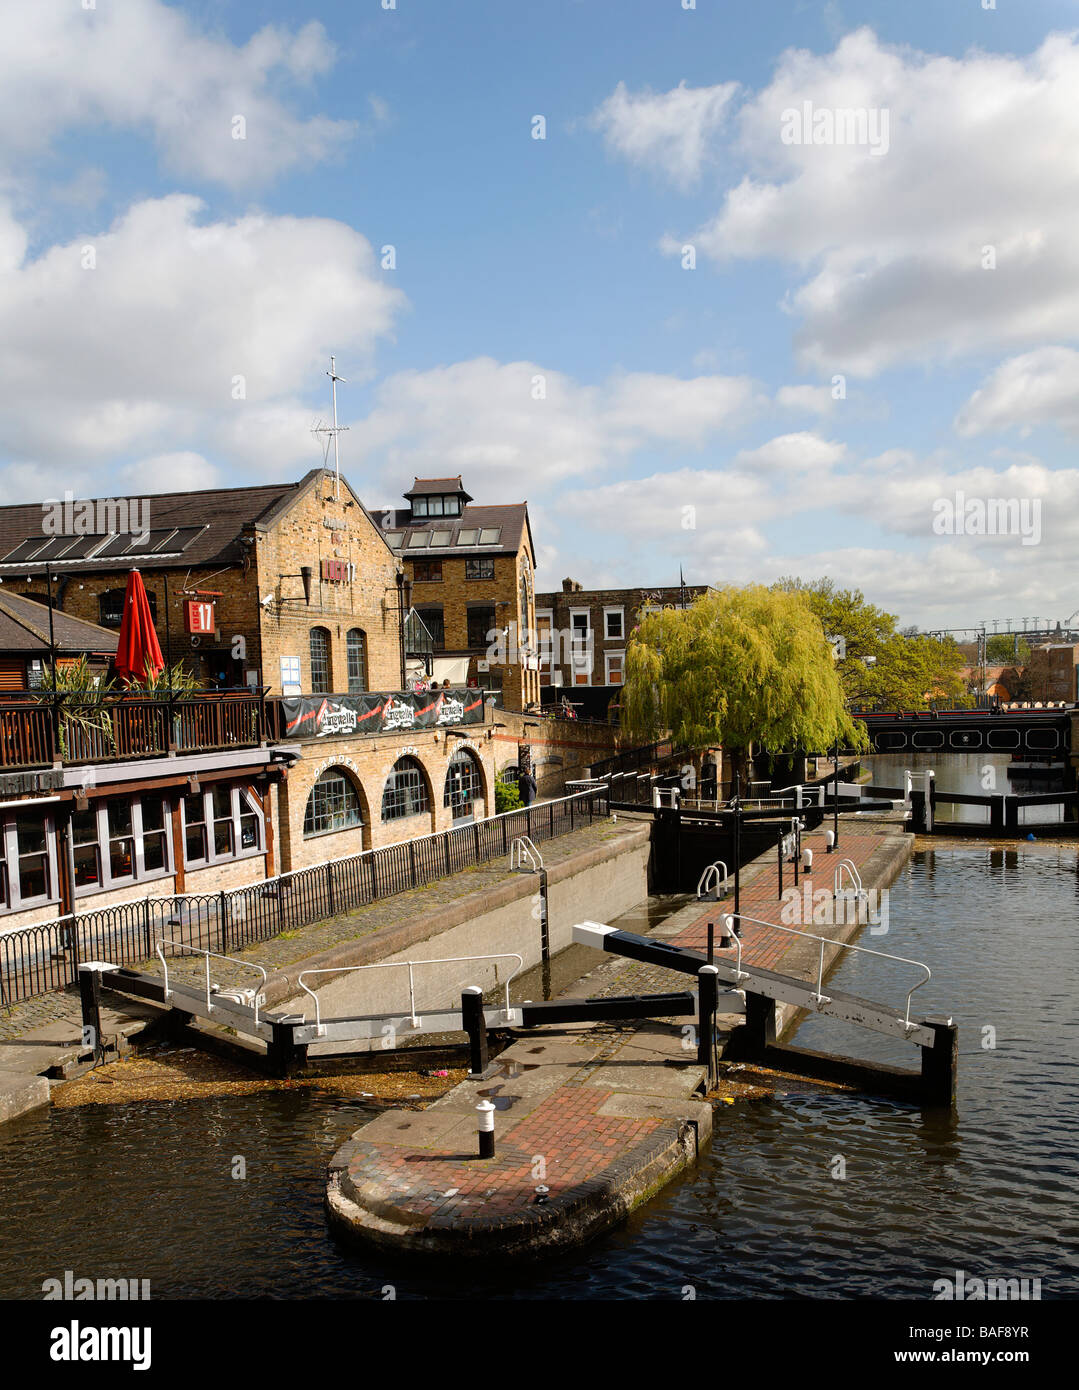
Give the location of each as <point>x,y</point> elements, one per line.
<point>40,730</point>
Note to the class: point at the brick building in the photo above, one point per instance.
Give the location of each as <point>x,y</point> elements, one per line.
<point>583,634</point>
<point>473,573</point>
<point>287,586</point>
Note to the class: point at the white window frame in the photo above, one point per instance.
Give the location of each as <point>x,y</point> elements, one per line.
<point>620,635</point>
<point>580,661</point>
<point>9,854</point>
<point>139,873</point>
<point>608,657</point>
<point>206,791</point>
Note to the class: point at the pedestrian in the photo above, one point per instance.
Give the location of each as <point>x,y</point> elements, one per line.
<point>527,784</point>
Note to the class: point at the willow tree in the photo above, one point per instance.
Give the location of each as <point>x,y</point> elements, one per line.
<point>740,667</point>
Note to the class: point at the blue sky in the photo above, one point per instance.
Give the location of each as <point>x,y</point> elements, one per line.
<point>170,294</point>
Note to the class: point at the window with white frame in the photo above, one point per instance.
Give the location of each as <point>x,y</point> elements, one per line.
<point>545,643</point>
<point>221,822</point>
<point>27,859</point>
<point>120,840</point>
<point>405,792</point>
<point>580,654</point>
<point>614,624</point>
<point>614,663</point>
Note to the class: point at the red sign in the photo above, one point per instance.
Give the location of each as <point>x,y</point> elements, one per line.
<point>335,571</point>
<point>199,616</point>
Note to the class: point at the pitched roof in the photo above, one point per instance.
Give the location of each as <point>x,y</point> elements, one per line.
<point>213,520</point>
<point>187,528</point>
<point>24,627</point>
<point>422,486</point>
<point>510,520</point>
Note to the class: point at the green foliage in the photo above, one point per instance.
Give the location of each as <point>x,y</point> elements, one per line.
<point>170,679</point>
<point>78,678</point>
<point>1003,650</point>
<point>882,666</point>
<point>739,667</point>
<point>506,798</point>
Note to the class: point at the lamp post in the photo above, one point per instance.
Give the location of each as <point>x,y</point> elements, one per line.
<point>835,796</point>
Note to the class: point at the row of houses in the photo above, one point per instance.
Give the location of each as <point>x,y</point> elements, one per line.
<point>366,677</point>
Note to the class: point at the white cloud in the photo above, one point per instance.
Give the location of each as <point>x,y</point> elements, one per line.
<point>1035,388</point>
<point>672,130</point>
<point>141,66</point>
<point>184,335</point>
<point>794,454</point>
<point>515,429</point>
<point>814,400</point>
<point>890,247</point>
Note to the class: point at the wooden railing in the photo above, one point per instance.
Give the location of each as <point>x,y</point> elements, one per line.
<point>37,731</point>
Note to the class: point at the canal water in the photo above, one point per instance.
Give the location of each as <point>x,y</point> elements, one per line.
<point>809,1195</point>
<point>973,774</point>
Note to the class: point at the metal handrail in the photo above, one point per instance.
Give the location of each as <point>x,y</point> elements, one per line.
<point>200,951</point>
<point>400,964</point>
<point>522,849</point>
<point>727,929</point>
<point>704,882</point>
<point>854,876</point>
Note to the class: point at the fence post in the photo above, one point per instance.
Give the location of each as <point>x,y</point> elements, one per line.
<point>476,838</point>
<point>374,876</point>
<point>446,837</point>
<point>528,822</point>
<point>329,887</point>
<point>147,930</point>
<point>223,919</point>
<point>412,860</point>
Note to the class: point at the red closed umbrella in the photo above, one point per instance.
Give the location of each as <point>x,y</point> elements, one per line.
<point>138,652</point>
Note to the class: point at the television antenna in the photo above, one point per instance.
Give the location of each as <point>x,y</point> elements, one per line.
<point>332,431</point>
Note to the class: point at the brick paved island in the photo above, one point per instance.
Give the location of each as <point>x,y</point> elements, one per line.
<point>590,1120</point>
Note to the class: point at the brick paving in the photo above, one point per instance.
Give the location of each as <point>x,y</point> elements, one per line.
<point>440,1186</point>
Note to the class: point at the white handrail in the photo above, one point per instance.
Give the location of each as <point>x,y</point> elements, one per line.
<point>854,876</point>
<point>712,871</point>
<point>727,929</point>
<point>522,849</point>
<point>400,964</point>
<point>199,951</point>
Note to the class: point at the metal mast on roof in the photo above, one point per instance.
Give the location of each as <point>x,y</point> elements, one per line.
<point>335,429</point>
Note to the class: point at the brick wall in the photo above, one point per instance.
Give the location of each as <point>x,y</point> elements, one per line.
<point>561,749</point>
<point>367,600</point>
<point>366,761</point>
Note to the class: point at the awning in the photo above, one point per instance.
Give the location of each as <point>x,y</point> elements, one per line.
<point>450,668</point>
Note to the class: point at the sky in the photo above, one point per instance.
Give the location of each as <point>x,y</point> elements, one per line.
<point>741,291</point>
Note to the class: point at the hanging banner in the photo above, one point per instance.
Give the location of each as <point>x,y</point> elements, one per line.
<point>328,716</point>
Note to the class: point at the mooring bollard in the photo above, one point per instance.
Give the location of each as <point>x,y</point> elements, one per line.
<point>807,860</point>
<point>707,998</point>
<point>829,841</point>
<point>485,1126</point>
<point>475,1025</point>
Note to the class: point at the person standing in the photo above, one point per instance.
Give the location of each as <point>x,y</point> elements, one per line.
<point>527,784</point>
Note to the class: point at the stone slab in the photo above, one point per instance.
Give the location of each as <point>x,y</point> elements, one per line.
<point>643,1076</point>
<point>20,1092</point>
<point>626,1105</point>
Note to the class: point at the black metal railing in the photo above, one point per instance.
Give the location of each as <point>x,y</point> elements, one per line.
<point>41,959</point>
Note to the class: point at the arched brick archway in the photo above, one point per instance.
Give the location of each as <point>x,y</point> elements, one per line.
<point>336,797</point>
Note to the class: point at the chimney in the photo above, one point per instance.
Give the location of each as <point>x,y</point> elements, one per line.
<point>571,586</point>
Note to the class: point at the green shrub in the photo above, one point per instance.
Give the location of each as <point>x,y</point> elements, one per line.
<point>506,798</point>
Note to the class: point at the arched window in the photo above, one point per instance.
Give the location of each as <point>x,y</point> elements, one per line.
<point>320,660</point>
<point>405,793</point>
<point>333,805</point>
<point>509,775</point>
<point>356,649</point>
<point>464,783</point>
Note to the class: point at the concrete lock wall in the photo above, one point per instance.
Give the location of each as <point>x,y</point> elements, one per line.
<point>598,885</point>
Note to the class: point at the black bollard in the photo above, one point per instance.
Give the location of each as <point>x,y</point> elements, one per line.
<point>475,1025</point>
<point>90,999</point>
<point>707,996</point>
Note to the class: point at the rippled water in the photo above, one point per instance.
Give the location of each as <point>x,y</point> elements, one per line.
<point>146,1190</point>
